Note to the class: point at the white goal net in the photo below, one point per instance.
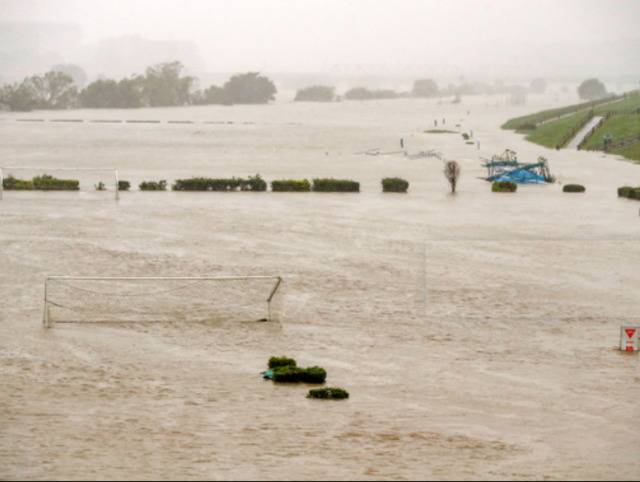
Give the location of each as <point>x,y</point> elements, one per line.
<point>25,178</point>
<point>69,299</point>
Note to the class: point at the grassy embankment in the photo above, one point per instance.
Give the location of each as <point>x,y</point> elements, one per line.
<point>553,127</point>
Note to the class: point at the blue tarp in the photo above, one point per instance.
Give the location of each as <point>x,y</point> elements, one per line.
<point>522,176</point>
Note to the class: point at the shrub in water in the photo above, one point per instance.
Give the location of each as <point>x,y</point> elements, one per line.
<point>635,193</point>
<point>624,191</point>
<point>124,185</point>
<point>256,184</point>
<point>573,188</point>
<point>394,184</point>
<point>504,186</point>
<point>465,136</point>
<point>50,183</point>
<point>291,185</point>
<point>12,184</point>
<point>253,183</point>
<point>335,185</point>
<point>277,362</point>
<point>101,187</point>
<point>293,374</point>
<point>328,393</point>
<point>153,185</point>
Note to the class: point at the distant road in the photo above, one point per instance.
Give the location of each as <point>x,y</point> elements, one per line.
<point>575,142</point>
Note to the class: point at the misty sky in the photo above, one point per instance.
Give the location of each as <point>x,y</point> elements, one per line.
<point>345,36</point>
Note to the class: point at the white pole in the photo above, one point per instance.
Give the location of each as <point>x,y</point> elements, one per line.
<point>45,314</point>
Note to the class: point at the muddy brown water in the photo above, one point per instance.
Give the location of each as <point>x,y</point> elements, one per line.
<point>476,333</point>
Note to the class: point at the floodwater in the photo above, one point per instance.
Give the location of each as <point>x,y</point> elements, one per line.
<point>476,333</point>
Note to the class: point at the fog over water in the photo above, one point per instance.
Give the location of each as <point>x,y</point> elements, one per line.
<point>482,40</point>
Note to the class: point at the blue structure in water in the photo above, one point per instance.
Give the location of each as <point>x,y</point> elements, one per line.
<point>506,167</point>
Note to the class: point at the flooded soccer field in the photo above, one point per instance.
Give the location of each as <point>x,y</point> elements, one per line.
<point>477,333</point>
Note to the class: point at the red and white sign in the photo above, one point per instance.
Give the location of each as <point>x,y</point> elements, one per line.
<point>629,337</point>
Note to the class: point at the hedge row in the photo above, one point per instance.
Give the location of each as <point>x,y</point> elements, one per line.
<point>573,188</point>
<point>504,186</point>
<point>291,185</point>
<point>253,183</point>
<point>153,185</point>
<point>629,192</point>
<point>41,183</point>
<point>328,393</point>
<point>394,184</point>
<point>294,374</point>
<point>335,185</point>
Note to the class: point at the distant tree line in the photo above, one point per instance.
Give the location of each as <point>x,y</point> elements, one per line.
<point>422,88</point>
<point>163,85</point>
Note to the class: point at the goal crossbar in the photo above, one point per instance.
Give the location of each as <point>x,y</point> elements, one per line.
<point>48,322</point>
<point>60,169</point>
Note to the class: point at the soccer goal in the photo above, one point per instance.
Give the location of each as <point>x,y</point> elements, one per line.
<point>76,299</point>
<point>25,178</point>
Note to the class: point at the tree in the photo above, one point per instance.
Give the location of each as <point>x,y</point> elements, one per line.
<point>100,94</point>
<point>54,90</point>
<point>425,88</point>
<point>76,72</point>
<point>131,92</point>
<point>212,95</point>
<point>538,86</point>
<point>249,88</point>
<point>18,97</point>
<point>164,87</point>
<point>592,89</point>
<point>316,93</point>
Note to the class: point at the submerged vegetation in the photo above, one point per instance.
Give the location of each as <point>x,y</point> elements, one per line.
<point>629,192</point>
<point>40,183</point>
<point>335,185</point>
<point>573,188</point>
<point>394,184</point>
<point>328,394</point>
<point>504,186</point>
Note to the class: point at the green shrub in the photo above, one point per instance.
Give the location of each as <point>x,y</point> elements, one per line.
<point>277,362</point>
<point>12,184</point>
<point>253,183</point>
<point>124,185</point>
<point>504,186</point>
<point>256,184</point>
<point>394,184</point>
<point>328,393</point>
<point>624,191</point>
<point>635,193</point>
<point>573,188</point>
<point>335,185</point>
<point>50,183</point>
<point>465,136</point>
<point>294,374</point>
<point>291,185</point>
<point>101,187</point>
<point>153,185</point>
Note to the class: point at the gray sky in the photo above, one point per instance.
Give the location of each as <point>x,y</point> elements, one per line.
<point>334,36</point>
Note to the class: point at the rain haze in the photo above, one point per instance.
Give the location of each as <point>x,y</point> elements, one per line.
<point>319,240</point>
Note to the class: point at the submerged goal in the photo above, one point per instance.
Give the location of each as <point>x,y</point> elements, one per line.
<point>101,299</point>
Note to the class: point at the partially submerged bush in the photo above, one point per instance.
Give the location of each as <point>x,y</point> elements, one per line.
<point>277,362</point>
<point>465,136</point>
<point>625,191</point>
<point>291,185</point>
<point>153,185</point>
<point>13,184</point>
<point>253,183</point>
<point>124,185</point>
<point>293,374</point>
<point>50,183</point>
<point>101,186</point>
<point>629,192</point>
<point>335,185</point>
<point>573,188</point>
<point>328,394</point>
<point>394,184</point>
<point>504,186</point>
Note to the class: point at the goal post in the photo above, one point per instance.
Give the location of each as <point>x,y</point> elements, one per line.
<point>111,173</point>
<point>152,299</point>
